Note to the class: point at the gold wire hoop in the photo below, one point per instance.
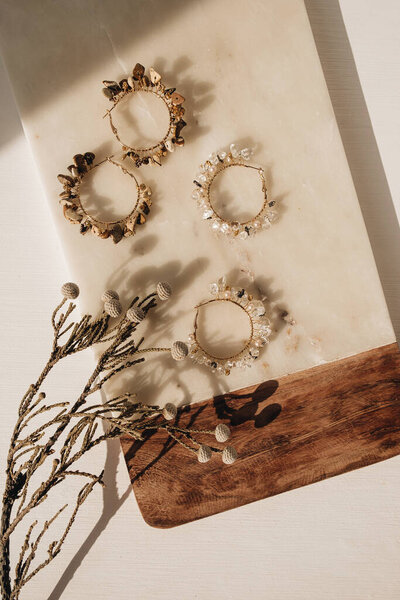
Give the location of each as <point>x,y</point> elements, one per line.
<point>140,82</point>
<point>214,166</point>
<point>196,339</point>
<point>76,213</point>
<point>260,329</point>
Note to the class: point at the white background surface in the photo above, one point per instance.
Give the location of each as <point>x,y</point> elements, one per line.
<point>338,537</point>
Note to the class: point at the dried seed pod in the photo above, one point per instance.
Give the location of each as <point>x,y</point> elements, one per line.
<point>113,307</point>
<point>204,453</point>
<point>229,455</point>
<point>70,290</point>
<point>164,290</point>
<point>222,432</point>
<point>169,411</point>
<point>109,295</point>
<point>179,350</point>
<point>135,314</point>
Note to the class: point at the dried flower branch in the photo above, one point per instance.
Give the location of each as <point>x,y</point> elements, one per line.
<point>69,431</point>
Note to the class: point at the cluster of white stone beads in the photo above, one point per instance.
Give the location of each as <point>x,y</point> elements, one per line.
<point>215,163</point>
<point>261,330</point>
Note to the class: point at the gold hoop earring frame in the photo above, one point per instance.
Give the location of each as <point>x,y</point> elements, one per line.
<point>213,166</point>
<point>140,82</point>
<point>75,212</point>
<point>260,330</point>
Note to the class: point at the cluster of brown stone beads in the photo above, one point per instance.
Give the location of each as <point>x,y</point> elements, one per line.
<point>82,163</point>
<point>76,213</point>
<point>140,82</point>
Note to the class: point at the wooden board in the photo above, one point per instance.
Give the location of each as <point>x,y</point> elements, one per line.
<point>289,432</point>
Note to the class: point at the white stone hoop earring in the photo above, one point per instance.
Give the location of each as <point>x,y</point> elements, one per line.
<point>75,212</point>
<point>213,166</point>
<point>140,82</point>
<point>260,330</point>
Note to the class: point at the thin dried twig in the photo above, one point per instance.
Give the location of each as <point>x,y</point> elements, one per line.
<point>68,434</point>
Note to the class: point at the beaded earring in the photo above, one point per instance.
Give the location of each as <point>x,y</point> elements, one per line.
<point>75,212</point>
<point>213,166</point>
<point>140,82</point>
<point>260,330</point>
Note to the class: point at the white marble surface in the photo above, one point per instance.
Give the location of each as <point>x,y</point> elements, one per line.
<point>338,537</point>
<point>315,262</point>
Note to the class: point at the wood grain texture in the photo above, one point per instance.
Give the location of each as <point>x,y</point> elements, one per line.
<point>288,432</point>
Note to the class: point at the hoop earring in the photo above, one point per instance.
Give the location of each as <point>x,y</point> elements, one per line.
<point>139,82</point>
<point>216,163</point>
<point>260,330</point>
<point>75,213</point>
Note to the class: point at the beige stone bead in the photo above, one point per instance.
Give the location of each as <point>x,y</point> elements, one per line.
<point>70,290</point>
<point>179,350</point>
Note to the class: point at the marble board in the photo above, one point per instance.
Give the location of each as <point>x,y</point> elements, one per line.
<point>250,76</point>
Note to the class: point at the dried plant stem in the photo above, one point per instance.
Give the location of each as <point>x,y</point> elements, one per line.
<point>53,448</point>
<point>17,495</point>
